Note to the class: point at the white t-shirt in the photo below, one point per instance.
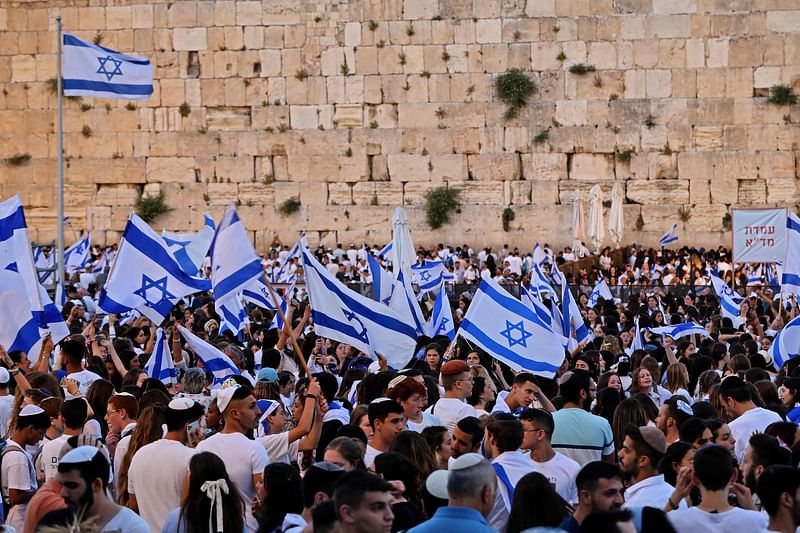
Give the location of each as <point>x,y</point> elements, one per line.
<point>450,411</point>
<point>126,521</point>
<point>561,472</point>
<point>278,447</point>
<point>243,459</point>
<point>156,478</point>
<point>650,492</point>
<point>428,420</point>
<point>6,407</point>
<point>48,458</point>
<point>17,473</point>
<point>743,427</point>
<point>370,455</point>
<point>122,447</point>
<point>92,427</point>
<point>84,378</point>
<point>693,520</point>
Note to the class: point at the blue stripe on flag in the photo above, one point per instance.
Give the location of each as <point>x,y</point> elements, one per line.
<point>241,276</point>
<point>512,304</point>
<point>11,223</point>
<point>101,86</point>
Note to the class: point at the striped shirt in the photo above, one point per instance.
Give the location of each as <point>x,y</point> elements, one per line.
<point>582,436</point>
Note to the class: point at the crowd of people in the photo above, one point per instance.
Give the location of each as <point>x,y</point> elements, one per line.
<point>692,434</point>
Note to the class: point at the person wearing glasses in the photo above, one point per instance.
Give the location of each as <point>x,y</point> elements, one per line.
<point>559,469</point>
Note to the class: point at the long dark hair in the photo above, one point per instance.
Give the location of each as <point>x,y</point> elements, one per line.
<point>100,391</point>
<point>550,509</point>
<point>284,495</point>
<point>195,509</point>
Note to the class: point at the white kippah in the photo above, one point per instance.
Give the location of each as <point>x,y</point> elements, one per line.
<point>31,410</point>
<point>81,454</point>
<point>182,404</point>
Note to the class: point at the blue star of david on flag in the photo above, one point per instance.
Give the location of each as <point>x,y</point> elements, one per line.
<point>160,285</point>
<point>116,71</point>
<point>442,325</point>
<point>508,334</point>
<point>424,275</point>
<point>350,316</point>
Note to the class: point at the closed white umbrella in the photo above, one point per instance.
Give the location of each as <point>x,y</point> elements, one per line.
<point>615,217</point>
<point>403,253</point>
<point>596,228</point>
<point>578,224</point>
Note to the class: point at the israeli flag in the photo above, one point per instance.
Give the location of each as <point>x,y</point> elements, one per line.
<point>429,275</point>
<point>257,293</point>
<point>539,282</point>
<point>557,323</point>
<point>344,315</point>
<point>540,257</point>
<point>790,280</point>
<point>42,261</point>
<point>146,276</point>
<point>382,281</point>
<point>277,321</point>
<point>638,341</point>
<point>93,70</point>
<point>770,276</point>
<point>160,366</point>
<point>50,318</point>
<point>234,263</point>
<point>441,321</point>
<point>190,249</point>
<point>510,332</point>
<point>212,358</point>
<point>669,237</point>
<point>754,276</point>
<point>681,330</point>
<point>60,296</point>
<point>600,290</point>
<point>384,253</point>
<point>103,262</point>
<point>571,319</point>
<point>730,302</point>
<point>787,344</point>
<point>77,256</point>
<point>405,304</point>
<point>535,304</point>
<point>232,315</point>
<point>283,275</point>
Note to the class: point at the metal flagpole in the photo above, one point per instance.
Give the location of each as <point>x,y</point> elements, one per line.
<point>60,136</point>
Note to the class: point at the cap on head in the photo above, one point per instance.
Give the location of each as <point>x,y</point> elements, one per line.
<point>455,367</point>
<point>5,377</point>
<point>437,481</point>
<point>267,375</point>
<point>654,438</point>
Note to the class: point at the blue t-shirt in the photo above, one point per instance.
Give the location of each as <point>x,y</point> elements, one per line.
<point>454,519</point>
<point>582,436</point>
<point>794,415</point>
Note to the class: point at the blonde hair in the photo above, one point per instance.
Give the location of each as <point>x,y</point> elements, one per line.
<point>677,377</point>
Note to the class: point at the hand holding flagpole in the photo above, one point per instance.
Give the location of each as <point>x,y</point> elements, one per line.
<point>295,345</point>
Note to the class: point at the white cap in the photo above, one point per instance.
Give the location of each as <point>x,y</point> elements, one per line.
<point>182,404</point>
<point>437,481</point>
<point>224,397</point>
<point>5,377</point>
<point>31,410</point>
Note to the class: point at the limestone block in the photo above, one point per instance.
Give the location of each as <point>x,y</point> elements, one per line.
<point>645,53</point>
<point>752,192</point>
<point>571,113</point>
<point>635,83</point>
<point>684,83</point>
<point>222,193</point>
<point>659,83</point>
<point>567,189</point>
<point>708,137</point>
<point>543,8</point>
<point>248,13</point>
<point>700,191</point>
<point>776,165</point>
<point>520,192</point>
<point>314,194</point>
<point>765,77</point>
<point>286,190</point>
<point>442,32</point>
<point>480,193</point>
<point>329,168</point>
<point>783,21</point>
<point>23,68</point>
<point>781,190</point>
<point>494,166</point>
<point>464,31</point>
<point>591,167</point>
<point>91,18</point>
<point>311,117</point>
<point>695,165</point>
<point>342,193</point>
<point>235,169</point>
<point>654,192</point>
<point>544,54</point>
<point>118,17</point>
<point>734,165</point>
<point>405,167</point>
<point>182,14</point>
<point>126,170</point>
<point>603,55</point>
<point>274,37</point>
<point>348,116</point>
<point>417,115</point>
<point>734,137</point>
<point>189,38</point>
<point>668,26</point>
<point>519,56</point>
<point>544,166</point>
<point>739,82</point>
<point>414,192</point>
<point>170,169</point>
<point>488,31</point>
<point>675,7</point>
<point>453,167</point>
<point>372,193</point>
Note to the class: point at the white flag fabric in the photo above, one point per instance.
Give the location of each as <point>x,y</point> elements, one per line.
<point>532,301</point>
<point>382,281</point>
<point>787,344</point>
<point>638,341</point>
<point>234,263</point>
<point>284,275</point>
<point>341,314</point>
<point>441,321</point>
<point>405,304</point>
<point>669,237</point>
<point>232,314</point>
<point>77,256</point>
<point>681,330</point>
<point>93,70</point>
<point>160,366</point>
<point>600,290</point>
<point>510,332</point>
<point>190,249</point>
<point>428,275</point>
<point>539,255</point>
<point>212,358</point>
<point>790,279</point>
<point>730,302</point>
<point>146,276</point>
<point>257,293</point>
<point>571,318</point>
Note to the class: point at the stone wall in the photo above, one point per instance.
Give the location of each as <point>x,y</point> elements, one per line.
<point>354,107</point>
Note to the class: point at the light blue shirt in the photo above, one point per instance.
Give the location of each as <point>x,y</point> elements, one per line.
<point>454,519</point>
<point>582,436</point>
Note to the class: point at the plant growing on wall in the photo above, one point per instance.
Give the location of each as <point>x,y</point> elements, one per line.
<point>781,95</point>
<point>17,160</point>
<point>439,204</point>
<point>514,88</point>
<point>726,222</point>
<point>639,225</point>
<point>684,214</point>
<point>289,206</point>
<point>580,69</point>
<point>508,216</point>
<point>150,207</point>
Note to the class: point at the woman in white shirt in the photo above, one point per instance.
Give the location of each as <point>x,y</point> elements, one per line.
<point>413,396</point>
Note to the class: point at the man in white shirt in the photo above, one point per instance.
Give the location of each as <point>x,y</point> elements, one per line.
<point>639,457</point>
<point>244,459</point>
<point>72,418</point>
<point>83,474</point>
<point>6,401</point>
<point>559,469</point>
<point>16,465</point>
<point>158,470</point>
<point>123,408</point>
<point>748,419</point>
<point>779,493</point>
<point>504,435</point>
<point>457,382</point>
<point>523,391</point>
<point>74,353</point>
<point>387,420</point>
<point>713,472</point>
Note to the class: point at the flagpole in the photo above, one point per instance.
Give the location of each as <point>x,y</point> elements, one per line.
<point>60,138</point>
<point>300,357</point>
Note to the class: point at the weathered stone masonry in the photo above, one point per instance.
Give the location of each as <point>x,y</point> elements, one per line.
<point>354,107</point>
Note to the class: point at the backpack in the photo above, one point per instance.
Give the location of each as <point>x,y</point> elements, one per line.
<point>4,450</point>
